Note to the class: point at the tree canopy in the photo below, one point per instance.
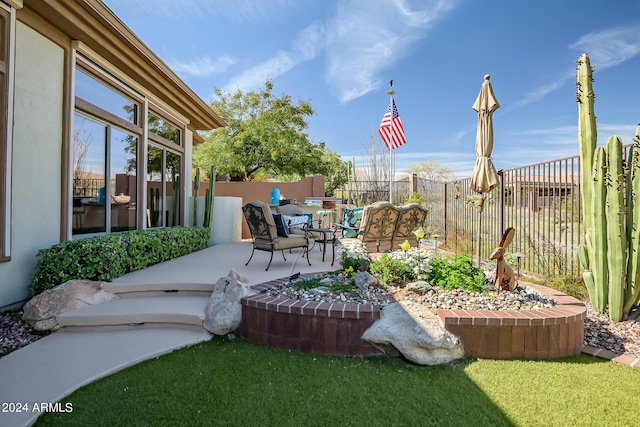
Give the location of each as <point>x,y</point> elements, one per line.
<point>431,169</point>
<point>265,134</point>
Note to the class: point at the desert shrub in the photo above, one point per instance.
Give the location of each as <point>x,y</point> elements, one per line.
<point>109,256</point>
<point>457,273</point>
<point>388,269</point>
<point>570,285</point>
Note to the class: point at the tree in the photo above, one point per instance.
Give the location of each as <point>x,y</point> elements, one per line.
<point>263,134</point>
<point>431,169</point>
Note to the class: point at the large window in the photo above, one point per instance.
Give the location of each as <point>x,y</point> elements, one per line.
<point>108,192</point>
<point>105,145</point>
<point>6,36</point>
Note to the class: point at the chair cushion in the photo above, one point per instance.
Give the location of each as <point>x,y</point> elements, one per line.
<point>351,222</point>
<point>280,243</point>
<point>279,219</point>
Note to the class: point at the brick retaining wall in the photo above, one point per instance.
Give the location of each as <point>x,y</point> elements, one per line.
<point>336,328</point>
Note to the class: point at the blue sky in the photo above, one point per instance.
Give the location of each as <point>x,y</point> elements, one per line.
<point>340,55</point>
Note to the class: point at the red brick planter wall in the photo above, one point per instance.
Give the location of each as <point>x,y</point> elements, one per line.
<point>312,327</point>
<point>526,334</point>
<point>336,329</point>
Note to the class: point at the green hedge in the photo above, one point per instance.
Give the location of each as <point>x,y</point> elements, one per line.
<point>109,256</point>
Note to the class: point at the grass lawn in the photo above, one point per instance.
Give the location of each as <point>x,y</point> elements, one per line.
<point>232,382</point>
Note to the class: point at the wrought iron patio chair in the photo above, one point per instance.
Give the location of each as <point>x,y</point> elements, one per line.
<point>264,234</point>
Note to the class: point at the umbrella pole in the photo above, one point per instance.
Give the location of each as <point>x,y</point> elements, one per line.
<point>478,238</point>
<point>479,208</point>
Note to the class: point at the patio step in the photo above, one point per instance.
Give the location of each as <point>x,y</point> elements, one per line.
<point>155,288</point>
<point>136,312</point>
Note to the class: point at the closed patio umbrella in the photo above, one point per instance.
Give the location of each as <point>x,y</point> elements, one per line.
<point>484,177</point>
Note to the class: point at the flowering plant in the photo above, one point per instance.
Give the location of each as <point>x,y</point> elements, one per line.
<point>354,255</point>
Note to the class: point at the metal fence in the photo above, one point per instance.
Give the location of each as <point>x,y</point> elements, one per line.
<point>541,201</point>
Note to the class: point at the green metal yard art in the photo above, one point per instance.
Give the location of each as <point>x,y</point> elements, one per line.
<point>610,189</point>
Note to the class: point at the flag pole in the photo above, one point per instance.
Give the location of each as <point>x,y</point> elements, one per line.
<point>391,93</point>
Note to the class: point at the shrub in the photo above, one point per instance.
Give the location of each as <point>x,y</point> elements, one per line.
<point>109,256</point>
<point>570,285</point>
<point>388,269</point>
<point>457,273</point>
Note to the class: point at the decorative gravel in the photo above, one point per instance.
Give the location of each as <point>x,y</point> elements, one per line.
<point>15,333</point>
<point>524,298</point>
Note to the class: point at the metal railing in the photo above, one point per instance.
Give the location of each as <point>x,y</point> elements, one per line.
<point>541,201</point>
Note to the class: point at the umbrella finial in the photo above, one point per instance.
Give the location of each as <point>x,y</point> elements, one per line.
<point>487,76</point>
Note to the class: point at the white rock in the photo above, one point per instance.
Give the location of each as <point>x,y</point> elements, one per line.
<point>416,332</point>
<point>223,312</point>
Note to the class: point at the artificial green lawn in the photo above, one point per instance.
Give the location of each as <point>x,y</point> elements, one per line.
<point>232,382</point>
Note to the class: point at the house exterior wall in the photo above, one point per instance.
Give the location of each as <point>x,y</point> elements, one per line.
<point>37,158</point>
<point>52,37</point>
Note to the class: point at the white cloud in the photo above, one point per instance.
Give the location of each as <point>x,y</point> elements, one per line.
<point>204,66</point>
<point>540,92</point>
<point>308,44</point>
<point>366,37</point>
<point>606,49</point>
<point>610,47</point>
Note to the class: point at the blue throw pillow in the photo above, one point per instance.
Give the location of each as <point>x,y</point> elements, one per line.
<point>309,218</point>
<point>280,225</point>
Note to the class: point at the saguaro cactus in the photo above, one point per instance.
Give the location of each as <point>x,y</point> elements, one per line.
<point>610,190</point>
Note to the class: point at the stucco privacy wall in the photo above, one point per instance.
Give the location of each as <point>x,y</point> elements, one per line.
<point>312,186</point>
<point>37,158</point>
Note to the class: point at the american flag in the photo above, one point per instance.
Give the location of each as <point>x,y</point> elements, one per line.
<point>398,138</point>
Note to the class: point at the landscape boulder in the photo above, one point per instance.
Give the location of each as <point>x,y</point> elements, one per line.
<point>364,279</point>
<point>40,312</point>
<point>415,332</point>
<point>223,312</point>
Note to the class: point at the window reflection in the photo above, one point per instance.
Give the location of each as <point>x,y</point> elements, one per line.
<point>89,179</point>
<point>123,184</point>
<point>155,203</point>
<point>93,91</point>
<point>173,172</point>
<point>94,198</point>
<point>164,188</point>
<point>163,129</point>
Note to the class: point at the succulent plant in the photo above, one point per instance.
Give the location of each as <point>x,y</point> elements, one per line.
<point>610,188</point>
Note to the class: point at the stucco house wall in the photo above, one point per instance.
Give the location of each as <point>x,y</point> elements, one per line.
<point>37,162</point>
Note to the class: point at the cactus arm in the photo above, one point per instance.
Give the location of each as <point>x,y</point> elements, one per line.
<point>616,228</point>
<point>208,204</point>
<point>632,291</point>
<point>587,275</point>
<point>598,252</point>
<point>196,186</point>
<point>587,132</point>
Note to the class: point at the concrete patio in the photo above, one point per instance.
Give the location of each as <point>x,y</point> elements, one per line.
<point>161,309</point>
